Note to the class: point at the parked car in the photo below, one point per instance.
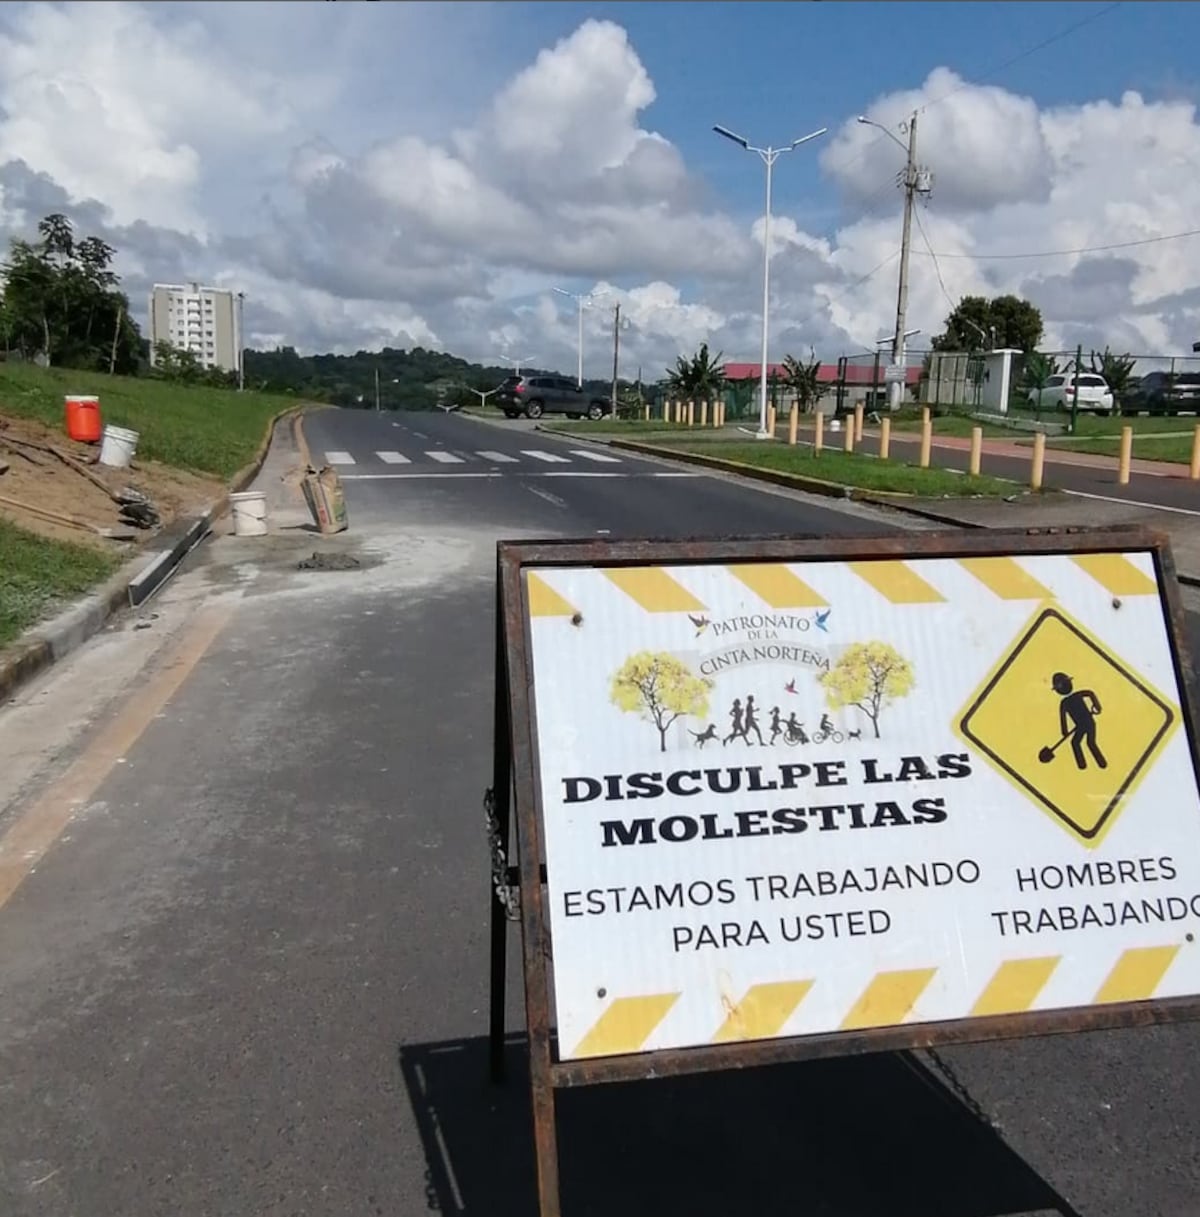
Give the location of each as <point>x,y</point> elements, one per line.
<point>534,396</point>
<point>1164,393</point>
<point>1094,393</point>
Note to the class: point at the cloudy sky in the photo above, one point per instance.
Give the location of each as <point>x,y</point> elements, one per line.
<point>403,174</point>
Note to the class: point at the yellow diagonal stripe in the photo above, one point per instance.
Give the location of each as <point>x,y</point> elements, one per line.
<point>625,1025</point>
<point>653,589</point>
<point>1006,578</point>
<point>1015,985</point>
<point>888,998</point>
<point>1137,973</point>
<point>1117,574</point>
<point>777,586</point>
<point>763,1010</point>
<point>544,601</point>
<point>896,581</point>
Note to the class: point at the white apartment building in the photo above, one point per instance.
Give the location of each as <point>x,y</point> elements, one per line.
<point>203,320</point>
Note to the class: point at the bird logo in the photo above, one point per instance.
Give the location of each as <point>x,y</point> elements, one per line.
<point>701,624</point>
<point>820,619</point>
<point>790,687</point>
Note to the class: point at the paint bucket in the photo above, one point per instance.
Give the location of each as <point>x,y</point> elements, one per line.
<point>835,424</point>
<point>83,418</point>
<point>119,447</point>
<point>249,513</point>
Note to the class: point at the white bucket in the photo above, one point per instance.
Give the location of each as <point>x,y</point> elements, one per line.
<point>118,447</point>
<point>249,513</point>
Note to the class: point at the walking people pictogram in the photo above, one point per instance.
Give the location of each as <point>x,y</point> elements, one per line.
<point>1077,713</point>
<point>737,730</point>
<point>776,725</point>
<point>751,723</point>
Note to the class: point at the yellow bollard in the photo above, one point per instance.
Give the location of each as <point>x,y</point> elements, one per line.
<point>1039,461</point>
<point>976,450</point>
<point>848,433</point>
<point>704,414</point>
<point>1194,471</point>
<point>885,439</point>
<point>858,422</point>
<point>691,413</point>
<point>646,412</point>
<point>926,440</point>
<point>1125,456</point>
<point>793,424</point>
<point>819,433</point>
<point>771,421</point>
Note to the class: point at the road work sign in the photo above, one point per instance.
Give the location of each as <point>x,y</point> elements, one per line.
<point>786,791</point>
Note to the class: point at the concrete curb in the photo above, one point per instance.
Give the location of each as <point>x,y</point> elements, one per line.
<point>131,586</point>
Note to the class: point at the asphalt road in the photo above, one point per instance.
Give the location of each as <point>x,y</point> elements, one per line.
<point>251,975</point>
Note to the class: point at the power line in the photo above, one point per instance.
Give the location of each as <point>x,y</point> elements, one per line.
<point>936,267</point>
<point>847,290</point>
<point>1065,253</point>
<point>1041,46</point>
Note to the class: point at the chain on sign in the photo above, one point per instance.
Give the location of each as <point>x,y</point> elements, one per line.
<point>957,1085</point>
<point>508,895</point>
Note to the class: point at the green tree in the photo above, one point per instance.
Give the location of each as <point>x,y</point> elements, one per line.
<point>701,378</point>
<point>1036,374</point>
<point>978,324</point>
<point>661,689</point>
<point>802,380</point>
<point>1116,370</point>
<point>62,301</point>
<point>868,676</point>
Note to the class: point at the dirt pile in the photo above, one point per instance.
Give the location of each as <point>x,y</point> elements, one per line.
<point>54,487</point>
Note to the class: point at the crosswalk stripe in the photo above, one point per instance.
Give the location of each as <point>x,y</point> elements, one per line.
<point>603,457</point>
<point>446,458</point>
<point>393,458</point>
<point>501,458</point>
<point>338,458</point>
<point>551,457</point>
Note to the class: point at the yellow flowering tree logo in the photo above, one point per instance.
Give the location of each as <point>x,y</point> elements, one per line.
<point>868,676</point>
<point>659,688</point>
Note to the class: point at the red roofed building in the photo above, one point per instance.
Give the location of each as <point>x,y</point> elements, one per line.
<point>860,382</point>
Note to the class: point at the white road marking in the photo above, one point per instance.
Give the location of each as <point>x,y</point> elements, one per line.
<point>576,473</point>
<point>677,475</point>
<point>545,494</point>
<point>397,477</point>
<point>602,457</point>
<point>393,458</point>
<point>445,458</point>
<point>501,458</point>
<point>550,457</point>
<point>1105,498</point>
<point>338,458</point>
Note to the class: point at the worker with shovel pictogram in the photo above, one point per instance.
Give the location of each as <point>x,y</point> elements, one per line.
<point>1077,713</point>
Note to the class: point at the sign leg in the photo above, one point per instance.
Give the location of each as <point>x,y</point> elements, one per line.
<point>545,1131</point>
<point>502,807</point>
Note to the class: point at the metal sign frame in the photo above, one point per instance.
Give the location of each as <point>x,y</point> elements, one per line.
<point>518,804</point>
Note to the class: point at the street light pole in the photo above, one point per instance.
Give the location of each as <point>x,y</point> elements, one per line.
<point>769,156</point>
<point>516,362</point>
<point>582,302</point>
<point>914,183</point>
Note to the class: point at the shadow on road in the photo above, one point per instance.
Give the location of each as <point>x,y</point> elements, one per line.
<point>875,1136</point>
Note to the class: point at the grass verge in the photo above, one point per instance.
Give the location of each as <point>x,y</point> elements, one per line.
<point>1148,447</point>
<point>632,428</point>
<point>206,430</point>
<point>37,575</point>
<point>863,472</point>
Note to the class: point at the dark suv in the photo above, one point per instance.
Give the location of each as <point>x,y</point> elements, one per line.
<point>1163,393</point>
<point>534,396</point>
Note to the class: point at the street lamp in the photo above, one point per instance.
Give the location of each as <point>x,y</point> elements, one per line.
<point>515,362</point>
<point>483,395</point>
<point>769,157</point>
<point>582,302</point>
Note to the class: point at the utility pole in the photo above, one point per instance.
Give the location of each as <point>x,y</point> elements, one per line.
<point>616,355</point>
<point>376,390</point>
<point>241,297</point>
<point>896,388</point>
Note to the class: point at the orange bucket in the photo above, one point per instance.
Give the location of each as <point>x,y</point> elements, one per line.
<point>83,419</point>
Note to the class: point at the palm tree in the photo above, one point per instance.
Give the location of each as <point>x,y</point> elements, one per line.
<point>1038,370</point>
<point>1116,370</point>
<point>802,380</point>
<point>700,378</point>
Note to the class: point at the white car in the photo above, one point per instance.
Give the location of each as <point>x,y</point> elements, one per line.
<point>1094,393</point>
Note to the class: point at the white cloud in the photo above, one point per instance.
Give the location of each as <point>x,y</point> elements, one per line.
<point>351,219</point>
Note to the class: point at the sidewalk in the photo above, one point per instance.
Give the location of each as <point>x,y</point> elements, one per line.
<point>1062,511</point>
